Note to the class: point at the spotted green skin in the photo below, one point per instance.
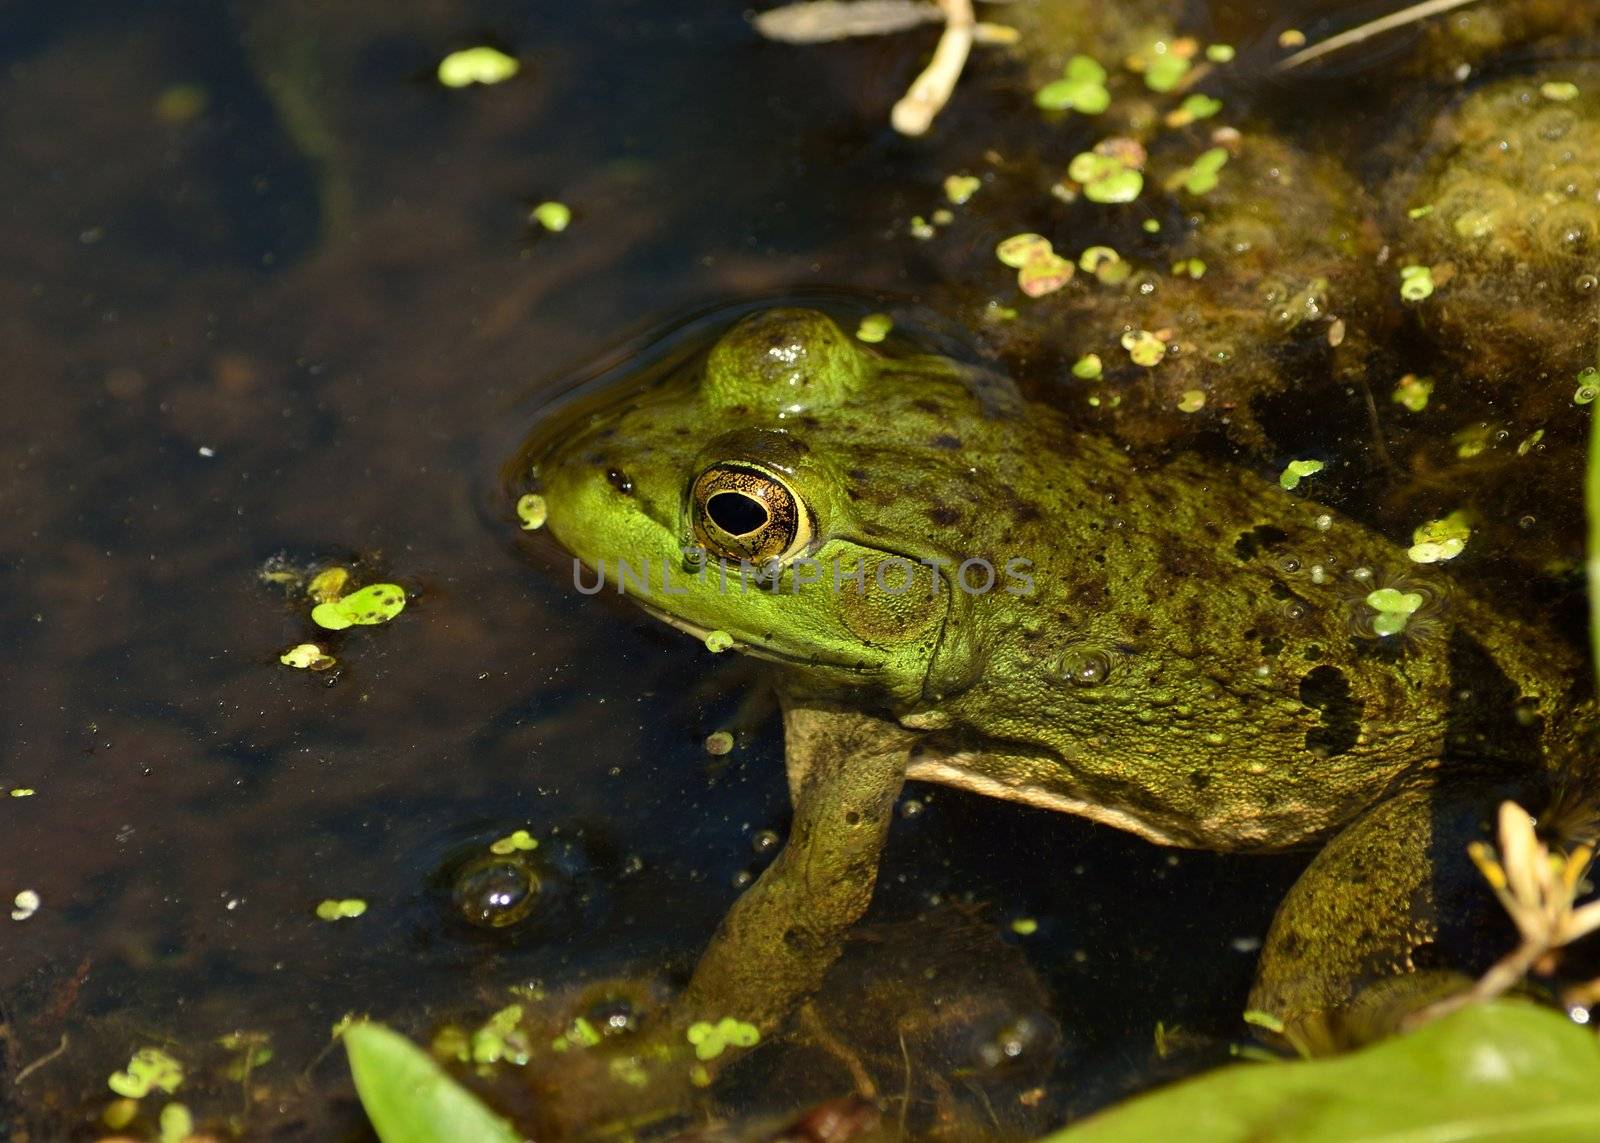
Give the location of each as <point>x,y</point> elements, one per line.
<point>1196,662</point>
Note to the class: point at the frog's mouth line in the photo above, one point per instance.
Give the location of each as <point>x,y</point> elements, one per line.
<point>755,649</point>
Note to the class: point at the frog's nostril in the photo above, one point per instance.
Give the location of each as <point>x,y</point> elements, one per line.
<point>620,481</point>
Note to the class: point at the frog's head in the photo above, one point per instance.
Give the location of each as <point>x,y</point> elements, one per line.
<point>791,450</point>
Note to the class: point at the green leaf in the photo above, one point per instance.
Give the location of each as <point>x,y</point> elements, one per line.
<point>1501,1072</point>
<point>375,603</point>
<point>409,1098</point>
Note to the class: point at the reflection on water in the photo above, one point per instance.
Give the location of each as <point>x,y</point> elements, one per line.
<point>271,294</point>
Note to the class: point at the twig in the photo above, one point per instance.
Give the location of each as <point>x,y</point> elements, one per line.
<point>931,90</point>
<point>41,1061</point>
<point>1372,28</point>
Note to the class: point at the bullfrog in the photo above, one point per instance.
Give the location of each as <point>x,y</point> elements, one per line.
<point>958,587</point>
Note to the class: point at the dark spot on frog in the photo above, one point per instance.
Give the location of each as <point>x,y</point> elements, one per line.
<point>1483,721</point>
<point>1263,537</point>
<point>1271,646</point>
<point>1326,690</point>
<point>1199,779</point>
<point>927,405</point>
<point>620,481</point>
<point>943,515</point>
<point>856,474</point>
<point>946,441</point>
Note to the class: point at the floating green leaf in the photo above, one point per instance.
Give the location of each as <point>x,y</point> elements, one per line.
<point>532,511</point>
<point>1165,71</point>
<point>1439,540</point>
<point>718,641</point>
<point>476,65</point>
<point>517,841</point>
<point>1416,282</point>
<point>149,1068</point>
<point>409,1098</point>
<point>1087,367</point>
<point>1394,608</point>
<point>1298,470</point>
<point>711,1040</point>
<point>1082,88</point>
<point>337,910</point>
<point>874,328</point>
<point>1493,1072</point>
<point>959,188</point>
<point>1020,249</point>
<point>1200,177</point>
<point>553,216</point>
<point>1413,392</point>
<point>375,603</point>
<point>1105,178</point>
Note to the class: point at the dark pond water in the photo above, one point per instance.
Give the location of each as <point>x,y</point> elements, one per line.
<point>271,301</point>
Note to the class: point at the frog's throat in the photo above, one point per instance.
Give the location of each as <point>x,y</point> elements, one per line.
<point>754,649</point>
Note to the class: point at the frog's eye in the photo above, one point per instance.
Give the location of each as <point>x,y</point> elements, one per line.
<point>745,514</point>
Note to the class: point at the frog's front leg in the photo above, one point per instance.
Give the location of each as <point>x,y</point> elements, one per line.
<point>772,949</point>
<point>1389,917</point>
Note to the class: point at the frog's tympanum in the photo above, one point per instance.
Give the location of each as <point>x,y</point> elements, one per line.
<point>960,589</point>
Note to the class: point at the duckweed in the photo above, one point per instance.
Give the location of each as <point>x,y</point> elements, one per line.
<point>149,1069</point>
<point>711,1040</point>
<point>514,842</point>
<point>1559,92</point>
<point>375,603</point>
<point>328,584</point>
<point>1296,471</point>
<point>1412,392</point>
<point>307,657</point>
<point>1024,926</point>
<point>1081,88</point>
<point>718,641</point>
<point>553,216</point>
<point>1088,367</point>
<point>1193,109</point>
<point>1201,176</point>
<point>580,1034</point>
<point>1144,347</point>
<point>1105,178</point>
<point>718,743</point>
<point>1588,387</point>
<point>1440,540</point>
<point>330,909</point>
<point>1192,401</point>
<point>1394,609</point>
<point>959,188</point>
<point>1416,283</point>
<point>175,1123</point>
<point>532,511</point>
<point>25,904</point>
<point>874,328</point>
<point>483,65</point>
<point>1165,70</point>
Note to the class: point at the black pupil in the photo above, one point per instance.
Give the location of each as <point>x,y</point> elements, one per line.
<point>735,513</point>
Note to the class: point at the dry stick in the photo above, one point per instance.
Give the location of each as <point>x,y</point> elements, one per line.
<point>1374,28</point>
<point>931,90</point>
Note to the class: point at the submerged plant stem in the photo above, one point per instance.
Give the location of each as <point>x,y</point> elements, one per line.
<point>1366,31</point>
<point>931,90</point>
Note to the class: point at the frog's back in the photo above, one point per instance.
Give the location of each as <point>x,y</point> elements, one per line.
<point>1205,662</point>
